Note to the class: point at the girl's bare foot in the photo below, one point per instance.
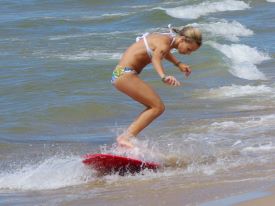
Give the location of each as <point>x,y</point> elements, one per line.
<point>124,141</point>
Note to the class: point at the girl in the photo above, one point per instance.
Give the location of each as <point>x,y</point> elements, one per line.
<point>151,48</point>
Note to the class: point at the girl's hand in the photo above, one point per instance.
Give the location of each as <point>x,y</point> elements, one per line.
<point>185,68</point>
<point>171,80</point>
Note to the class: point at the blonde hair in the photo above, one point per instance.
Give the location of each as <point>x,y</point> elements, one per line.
<point>191,34</point>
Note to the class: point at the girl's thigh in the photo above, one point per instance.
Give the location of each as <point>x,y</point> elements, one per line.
<point>137,89</point>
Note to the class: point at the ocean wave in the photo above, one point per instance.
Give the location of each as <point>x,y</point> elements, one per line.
<point>242,53</point>
<point>222,28</point>
<point>238,91</point>
<point>243,60</point>
<point>205,8</point>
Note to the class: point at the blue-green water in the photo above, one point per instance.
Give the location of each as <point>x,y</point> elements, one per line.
<point>57,103</point>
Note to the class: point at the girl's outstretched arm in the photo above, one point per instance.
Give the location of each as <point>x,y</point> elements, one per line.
<point>157,57</point>
<point>181,66</point>
<point>171,58</point>
<point>156,61</point>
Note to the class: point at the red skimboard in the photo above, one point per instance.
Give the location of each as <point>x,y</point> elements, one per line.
<point>107,164</point>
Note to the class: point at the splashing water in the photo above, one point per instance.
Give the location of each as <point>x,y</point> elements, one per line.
<point>52,173</point>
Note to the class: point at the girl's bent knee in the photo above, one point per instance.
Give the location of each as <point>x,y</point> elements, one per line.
<point>159,109</point>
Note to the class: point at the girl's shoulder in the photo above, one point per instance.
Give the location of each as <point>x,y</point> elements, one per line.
<point>160,40</point>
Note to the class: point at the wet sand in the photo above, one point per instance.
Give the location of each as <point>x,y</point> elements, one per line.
<point>268,200</point>
<point>170,191</point>
<point>263,197</point>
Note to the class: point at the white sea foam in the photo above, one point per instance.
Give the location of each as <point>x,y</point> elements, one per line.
<point>51,173</point>
<point>261,122</point>
<point>238,142</point>
<point>116,14</point>
<point>243,60</point>
<point>247,71</point>
<point>61,37</point>
<point>86,55</point>
<point>270,0</point>
<point>101,17</point>
<point>238,91</point>
<point>205,8</point>
<point>136,6</point>
<point>259,148</point>
<point>228,30</point>
<point>241,53</point>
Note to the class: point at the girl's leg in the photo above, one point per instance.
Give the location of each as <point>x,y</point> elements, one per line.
<point>137,89</point>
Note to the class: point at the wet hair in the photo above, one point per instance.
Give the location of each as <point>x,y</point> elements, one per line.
<point>191,34</point>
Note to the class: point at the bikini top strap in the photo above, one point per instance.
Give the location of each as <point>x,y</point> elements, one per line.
<point>170,29</point>
<point>172,34</point>
<point>148,49</point>
<point>141,37</point>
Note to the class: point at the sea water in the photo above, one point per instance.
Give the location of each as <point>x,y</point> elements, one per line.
<point>57,103</point>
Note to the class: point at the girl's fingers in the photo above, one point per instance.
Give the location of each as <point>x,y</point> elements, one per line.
<point>172,81</point>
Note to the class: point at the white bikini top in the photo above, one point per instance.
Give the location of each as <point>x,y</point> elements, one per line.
<point>148,49</point>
